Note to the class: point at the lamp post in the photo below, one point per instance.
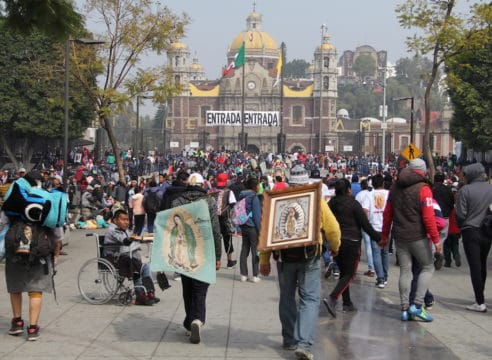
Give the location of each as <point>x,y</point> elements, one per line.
<point>383,124</point>
<point>411,113</point>
<point>137,124</point>
<point>65,118</point>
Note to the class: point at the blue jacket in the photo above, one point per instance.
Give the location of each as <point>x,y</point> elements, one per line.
<point>252,205</point>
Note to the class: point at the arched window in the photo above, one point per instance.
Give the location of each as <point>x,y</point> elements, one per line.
<point>177,79</point>
<point>325,82</point>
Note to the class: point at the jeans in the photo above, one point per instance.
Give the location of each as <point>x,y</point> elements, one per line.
<point>477,247</point>
<point>250,242</point>
<point>299,322</point>
<point>150,222</point>
<point>368,248</point>
<point>422,252</point>
<point>381,261</point>
<point>194,298</point>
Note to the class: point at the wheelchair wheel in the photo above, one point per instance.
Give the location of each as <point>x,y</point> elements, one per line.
<point>97,281</point>
<point>126,297</point>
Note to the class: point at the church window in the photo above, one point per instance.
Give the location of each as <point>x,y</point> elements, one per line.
<point>325,82</point>
<point>327,62</point>
<point>177,79</point>
<point>176,60</point>
<point>297,115</point>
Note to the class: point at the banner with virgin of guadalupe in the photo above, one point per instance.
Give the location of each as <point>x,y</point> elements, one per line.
<point>184,242</point>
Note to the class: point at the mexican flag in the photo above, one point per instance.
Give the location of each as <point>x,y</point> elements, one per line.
<point>238,61</point>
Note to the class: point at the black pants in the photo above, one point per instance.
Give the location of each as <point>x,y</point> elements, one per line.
<point>451,247</point>
<point>249,245</point>
<point>139,223</point>
<point>194,297</point>
<point>348,260</point>
<point>227,237</point>
<point>477,247</point>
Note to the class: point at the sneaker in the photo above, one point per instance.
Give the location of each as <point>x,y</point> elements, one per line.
<point>17,327</point>
<point>380,284</point>
<point>328,270</point>
<point>303,354</point>
<point>476,307</point>
<point>154,298</point>
<point>429,305</point>
<point>457,260</point>
<point>404,315</point>
<point>255,279</point>
<point>370,273</point>
<point>336,273</point>
<point>330,305</point>
<point>419,313</point>
<point>33,333</point>
<point>349,308</point>
<point>177,277</point>
<point>144,300</point>
<point>196,327</point>
<point>385,282</point>
<point>289,347</point>
<point>231,264</point>
<point>438,261</point>
<point>244,278</point>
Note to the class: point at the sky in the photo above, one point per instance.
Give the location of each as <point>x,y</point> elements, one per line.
<point>350,23</point>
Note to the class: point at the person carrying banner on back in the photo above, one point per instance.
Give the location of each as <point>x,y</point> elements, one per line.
<point>186,189</point>
<point>299,269</point>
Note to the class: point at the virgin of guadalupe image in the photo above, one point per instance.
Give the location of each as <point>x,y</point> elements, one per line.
<point>182,244</point>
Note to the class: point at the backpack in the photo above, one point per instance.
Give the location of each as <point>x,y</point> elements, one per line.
<point>32,240</point>
<point>486,224</point>
<point>152,201</point>
<point>240,215</point>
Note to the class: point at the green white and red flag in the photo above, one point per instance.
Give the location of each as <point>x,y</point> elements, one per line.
<point>238,61</point>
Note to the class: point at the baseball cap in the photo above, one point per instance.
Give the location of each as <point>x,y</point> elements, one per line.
<point>196,179</point>
<point>22,170</point>
<point>222,179</point>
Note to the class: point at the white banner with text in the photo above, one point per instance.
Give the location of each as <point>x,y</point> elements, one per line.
<point>251,118</point>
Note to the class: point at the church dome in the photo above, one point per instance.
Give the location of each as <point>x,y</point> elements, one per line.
<point>179,45</point>
<point>326,45</point>
<point>253,37</point>
<point>196,66</point>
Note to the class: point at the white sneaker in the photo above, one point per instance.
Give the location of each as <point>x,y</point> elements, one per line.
<point>476,307</point>
<point>255,279</point>
<point>196,327</point>
<point>244,278</point>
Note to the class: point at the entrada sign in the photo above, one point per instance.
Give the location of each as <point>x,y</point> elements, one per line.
<point>251,118</point>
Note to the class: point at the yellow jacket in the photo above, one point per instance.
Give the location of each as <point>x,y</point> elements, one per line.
<point>329,225</point>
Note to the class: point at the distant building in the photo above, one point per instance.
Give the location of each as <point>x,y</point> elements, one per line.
<point>348,58</point>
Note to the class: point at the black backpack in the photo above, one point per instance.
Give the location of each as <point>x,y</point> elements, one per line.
<point>30,240</point>
<point>152,202</point>
<point>486,224</point>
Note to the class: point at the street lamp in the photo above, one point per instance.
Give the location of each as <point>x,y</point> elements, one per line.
<point>384,113</point>
<point>411,113</point>
<point>67,77</point>
<point>137,124</point>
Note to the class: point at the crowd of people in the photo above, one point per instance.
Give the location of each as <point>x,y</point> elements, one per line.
<point>382,209</point>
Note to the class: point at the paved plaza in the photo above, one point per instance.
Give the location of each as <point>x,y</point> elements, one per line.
<point>242,321</point>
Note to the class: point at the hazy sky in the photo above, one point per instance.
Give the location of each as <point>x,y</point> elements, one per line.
<point>298,23</point>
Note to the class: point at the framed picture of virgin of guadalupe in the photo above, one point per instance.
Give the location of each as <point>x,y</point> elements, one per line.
<point>290,217</point>
<point>184,243</point>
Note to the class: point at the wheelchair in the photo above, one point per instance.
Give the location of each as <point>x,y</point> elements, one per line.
<point>99,280</point>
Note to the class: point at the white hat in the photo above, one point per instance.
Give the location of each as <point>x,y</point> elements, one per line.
<point>90,188</point>
<point>59,178</point>
<point>196,179</point>
<point>298,175</point>
<point>418,164</point>
<point>22,170</point>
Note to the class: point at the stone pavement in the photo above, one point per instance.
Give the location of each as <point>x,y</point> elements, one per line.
<point>242,321</point>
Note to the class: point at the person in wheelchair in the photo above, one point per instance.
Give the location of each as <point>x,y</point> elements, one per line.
<point>121,249</point>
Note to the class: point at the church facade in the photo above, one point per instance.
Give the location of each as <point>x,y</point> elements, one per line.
<point>304,111</point>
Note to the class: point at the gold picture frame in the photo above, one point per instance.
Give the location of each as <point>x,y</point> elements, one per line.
<point>290,217</point>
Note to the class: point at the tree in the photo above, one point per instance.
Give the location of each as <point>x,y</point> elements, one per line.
<point>295,69</point>
<point>364,66</point>
<point>32,97</point>
<point>444,35</point>
<point>133,29</point>
<point>54,18</point>
<point>470,90</point>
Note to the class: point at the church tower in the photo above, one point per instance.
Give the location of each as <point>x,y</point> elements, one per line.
<point>179,61</point>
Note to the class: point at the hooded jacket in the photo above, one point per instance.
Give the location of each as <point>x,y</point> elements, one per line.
<point>473,198</point>
<point>409,211</point>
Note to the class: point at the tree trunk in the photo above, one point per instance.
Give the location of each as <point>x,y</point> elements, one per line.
<point>9,152</point>
<point>28,147</point>
<point>427,151</point>
<point>106,124</point>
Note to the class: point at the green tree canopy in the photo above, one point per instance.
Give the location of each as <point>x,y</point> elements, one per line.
<point>32,95</point>
<point>470,90</point>
<point>296,68</point>
<point>364,66</point>
<point>54,18</point>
